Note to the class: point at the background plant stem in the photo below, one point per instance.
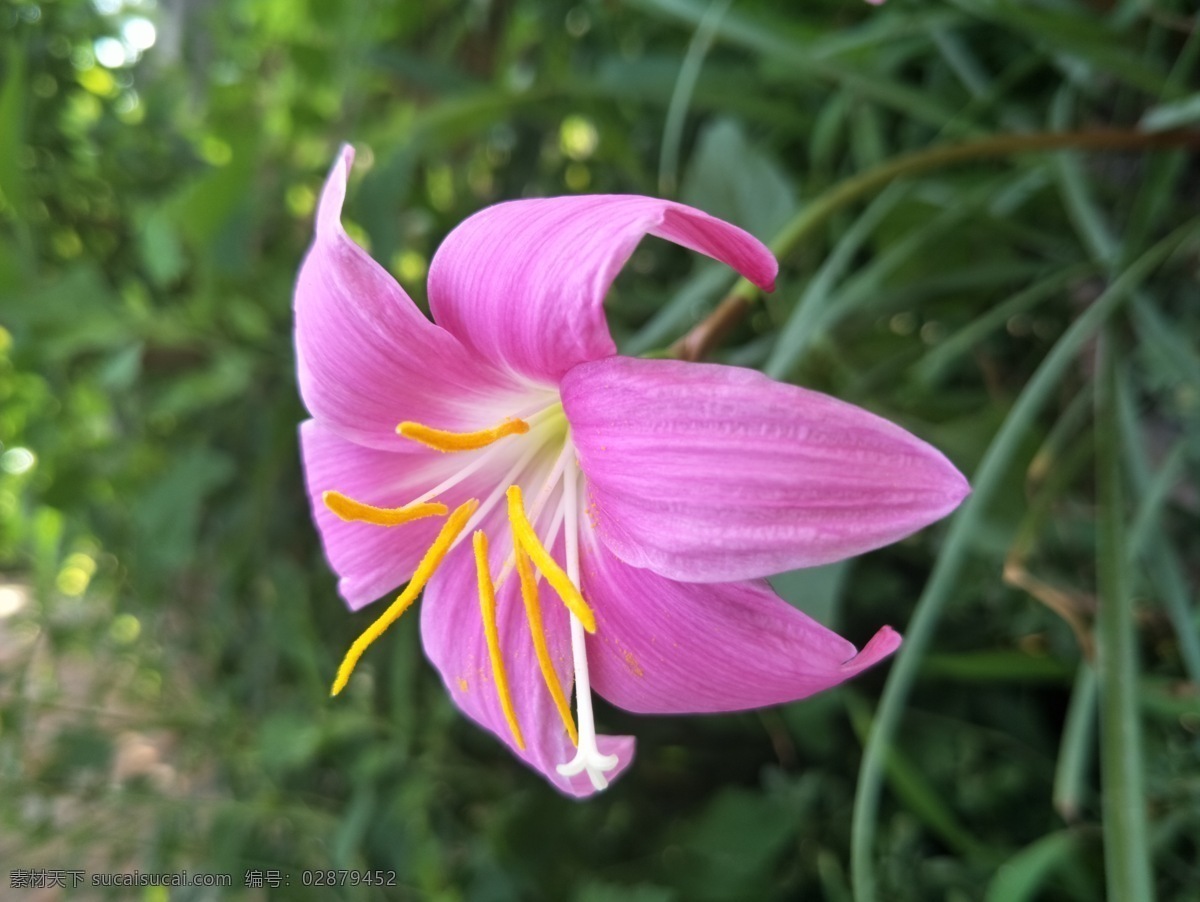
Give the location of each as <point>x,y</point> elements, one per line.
<point>1126,852</point>
<point>709,332</point>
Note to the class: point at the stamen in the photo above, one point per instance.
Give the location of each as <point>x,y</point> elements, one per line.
<point>441,440</point>
<point>556,522</point>
<point>357,512</point>
<point>533,613</point>
<point>429,563</point>
<point>566,589</point>
<point>487,607</point>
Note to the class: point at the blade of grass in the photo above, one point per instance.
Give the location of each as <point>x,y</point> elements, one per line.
<point>975,276</point>
<point>689,71</point>
<point>920,798</point>
<point>1068,33</point>
<point>1056,466</point>
<point>1105,250</point>
<point>970,73</point>
<point>1175,350</point>
<point>998,458</point>
<point>938,358</point>
<point>1092,229</point>
<point>785,38</point>
<point>1075,751</point>
<point>798,332</point>
<point>1025,873</point>
<point>684,307</point>
<point>1126,851</point>
<point>991,667</point>
<point>818,56</point>
<point>1150,542</point>
<point>865,289</point>
<point>1154,491</point>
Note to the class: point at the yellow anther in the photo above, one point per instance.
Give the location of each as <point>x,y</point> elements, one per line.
<point>533,613</point>
<point>487,607</point>
<point>356,511</point>
<point>524,535</point>
<point>429,563</point>
<point>441,440</point>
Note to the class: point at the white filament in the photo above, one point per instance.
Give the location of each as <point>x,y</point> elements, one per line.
<point>494,498</point>
<point>497,449</point>
<point>535,511</point>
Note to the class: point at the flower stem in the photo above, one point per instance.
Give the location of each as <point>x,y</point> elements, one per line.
<point>710,331</point>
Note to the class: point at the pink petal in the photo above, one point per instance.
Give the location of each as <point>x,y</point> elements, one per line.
<point>667,647</point>
<point>708,473</point>
<point>373,560</point>
<point>452,633</point>
<point>523,283</point>
<point>368,358</point>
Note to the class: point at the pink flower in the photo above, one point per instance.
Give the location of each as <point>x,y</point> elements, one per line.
<point>579,519</point>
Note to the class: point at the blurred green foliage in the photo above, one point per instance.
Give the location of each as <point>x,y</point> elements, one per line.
<point>168,628</point>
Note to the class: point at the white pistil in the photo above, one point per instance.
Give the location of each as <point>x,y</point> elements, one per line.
<point>587,755</point>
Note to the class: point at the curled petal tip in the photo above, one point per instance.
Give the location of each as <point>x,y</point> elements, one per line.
<point>885,642</point>
<point>543,267</point>
<point>345,159</point>
<point>733,645</point>
<point>333,195</point>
